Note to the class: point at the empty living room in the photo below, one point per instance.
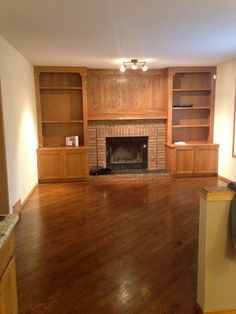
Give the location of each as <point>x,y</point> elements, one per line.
<point>118,157</point>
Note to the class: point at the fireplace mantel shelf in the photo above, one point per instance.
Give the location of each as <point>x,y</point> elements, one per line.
<point>127,117</point>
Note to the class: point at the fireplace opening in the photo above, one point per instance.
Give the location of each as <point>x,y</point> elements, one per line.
<point>126,152</point>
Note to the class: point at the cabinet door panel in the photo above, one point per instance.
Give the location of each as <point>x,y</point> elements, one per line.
<point>206,160</point>
<point>49,165</point>
<point>8,294</point>
<point>184,160</point>
<point>75,164</point>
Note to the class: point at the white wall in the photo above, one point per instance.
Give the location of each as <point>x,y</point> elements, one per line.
<point>224,112</point>
<point>19,111</point>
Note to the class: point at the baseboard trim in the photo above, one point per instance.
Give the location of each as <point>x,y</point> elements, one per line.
<point>17,207</point>
<point>200,311</point>
<point>224,179</point>
<point>28,196</point>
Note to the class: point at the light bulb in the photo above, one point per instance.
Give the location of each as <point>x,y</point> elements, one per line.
<point>145,67</point>
<point>134,66</point>
<point>122,67</point>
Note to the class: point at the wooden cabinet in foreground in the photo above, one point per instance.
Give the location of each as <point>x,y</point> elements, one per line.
<point>61,94</point>
<point>62,164</point>
<point>184,160</point>
<point>8,291</point>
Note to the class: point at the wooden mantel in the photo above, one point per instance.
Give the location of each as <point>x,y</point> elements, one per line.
<point>131,95</point>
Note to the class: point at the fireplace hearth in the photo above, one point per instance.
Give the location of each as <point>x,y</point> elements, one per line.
<point>126,152</point>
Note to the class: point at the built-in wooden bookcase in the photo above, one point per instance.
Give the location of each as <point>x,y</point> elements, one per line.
<point>61,106</point>
<point>191,100</point>
<point>190,117</point>
<point>61,95</point>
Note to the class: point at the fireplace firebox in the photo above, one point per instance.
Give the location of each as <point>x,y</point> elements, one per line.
<point>126,152</point>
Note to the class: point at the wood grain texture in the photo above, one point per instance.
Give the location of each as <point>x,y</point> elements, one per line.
<point>196,159</point>
<point>115,94</point>
<point>6,253</point>
<point>8,292</point>
<point>110,246</point>
<point>16,208</point>
<point>4,198</point>
<point>64,163</point>
<point>61,98</point>
<point>220,193</point>
<point>199,311</point>
<point>191,86</point>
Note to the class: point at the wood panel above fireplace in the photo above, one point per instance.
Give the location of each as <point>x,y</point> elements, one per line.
<point>130,95</point>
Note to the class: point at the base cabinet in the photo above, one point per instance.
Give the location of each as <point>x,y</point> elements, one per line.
<point>192,159</point>
<point>206,159</point>
<point>8,291</point>
<point>62,164</point>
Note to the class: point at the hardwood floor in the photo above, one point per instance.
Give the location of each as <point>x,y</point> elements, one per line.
<point>112,245</point>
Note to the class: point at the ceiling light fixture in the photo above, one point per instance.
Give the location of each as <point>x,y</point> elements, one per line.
<point>144,67</point>
<point>123,67</point>
<point>134,65</point>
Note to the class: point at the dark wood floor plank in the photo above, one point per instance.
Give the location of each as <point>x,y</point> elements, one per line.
<point>112,245</point>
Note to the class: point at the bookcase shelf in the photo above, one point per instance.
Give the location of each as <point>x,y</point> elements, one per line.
<point>64,121</point>
<point>191,90</point>
<point>192,108</point>
<point>191,126</point>
<point>61,87</point>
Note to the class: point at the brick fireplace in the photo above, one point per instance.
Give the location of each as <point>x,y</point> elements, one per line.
<point>154,130</point>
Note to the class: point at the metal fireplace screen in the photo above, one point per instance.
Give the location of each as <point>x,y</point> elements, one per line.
<point>126,152</point>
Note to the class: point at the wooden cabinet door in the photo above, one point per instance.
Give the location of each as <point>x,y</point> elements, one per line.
<point>206,159</point>
<point>184,160</point>
<point>75,164</point>
<point>8,294</point>
<point>49,165</point>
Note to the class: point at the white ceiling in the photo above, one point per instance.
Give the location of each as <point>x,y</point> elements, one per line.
<point>97,33</point>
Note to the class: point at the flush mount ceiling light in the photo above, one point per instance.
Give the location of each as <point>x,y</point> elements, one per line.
<point>134,65</point>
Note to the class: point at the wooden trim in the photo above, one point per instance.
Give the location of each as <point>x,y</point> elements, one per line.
<point>64,180</point>
<point>60,69</point>
<point>127,72</point>
<point>28,196</point>
<point>4,198</point>
<point>127,117</point>
<point>212,107</point>
<point>224,179</point>
<point>219,312</point>
<point>200,311</point>
<point>234,130</point>
<point>193,144</point>
<point>195,69</point>
<point>38,109</point>
<point>216,193</point>
<point>194,175</point>
<point>62,148</point>
<point>85,110</point>
<point>17,207</point>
